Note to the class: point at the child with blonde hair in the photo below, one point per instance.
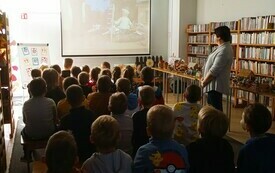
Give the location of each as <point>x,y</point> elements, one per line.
<point>162,153</point>
<point>105,135</point>
<point>211,153</point>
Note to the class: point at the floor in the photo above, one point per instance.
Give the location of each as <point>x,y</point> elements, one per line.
<point>236,132</point>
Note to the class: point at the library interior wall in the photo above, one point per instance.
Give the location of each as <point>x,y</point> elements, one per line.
<point>43,26</point>
<point>227,10</point>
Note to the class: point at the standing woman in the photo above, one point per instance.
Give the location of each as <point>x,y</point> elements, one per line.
<point>216,76</point>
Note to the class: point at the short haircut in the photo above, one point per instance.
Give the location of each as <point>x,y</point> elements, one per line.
<point>68,81</point>
<point>35,73</point>
<point>105,132</point>
<point>129,73</point>
<point>95,72</point>
<point>51,77</point>
<point>212,122</point>
<point>147,74</point>
<point>61,152</point>
<point>104,84</point>
<point>38,87</point>
<point>147,95</point>
<point>86,68</point>
<point>116,73</point>
<point>118,103</point>
<point>160,121</point>
<point>56,67</point>
<point>106,72</point>
<point>74,95</point>
<point>75,71</point>
<point>258,118</point>
<point>106,64</point>
<point>193,93</point>
<point>123,85</point>
<point>68,62</point>
<point>83,78</point>
<point>223,32</point>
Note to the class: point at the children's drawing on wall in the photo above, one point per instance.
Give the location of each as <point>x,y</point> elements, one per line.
<point>44,51</point>
<point>35,61</point>
<point>26,62</point>
<point>34,51</point>
<point>25,50</point>
<point>44,60</point>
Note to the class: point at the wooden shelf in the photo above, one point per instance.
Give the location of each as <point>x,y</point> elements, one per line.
<point>196,54</point>
<point>206,32</point>
<point>198,43</point>
<point>259,60</point>
<point>258,30</point>
<point>257,45</point>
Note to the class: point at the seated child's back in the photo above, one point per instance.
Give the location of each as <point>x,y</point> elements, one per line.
<point>108,159</point>
<point>186,114</point>
<point>161,153</point>
<point>258,154</point>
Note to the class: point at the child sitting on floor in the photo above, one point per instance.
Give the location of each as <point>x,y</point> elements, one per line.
<point>161,153</point>
<point>186,114</point>
<point>61,153</point>
<point>211,153</point>
<point>83,79</point>
<point>258,154</point>
<point>108,159</point>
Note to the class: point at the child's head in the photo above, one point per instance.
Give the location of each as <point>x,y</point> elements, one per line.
<point>68,81</point>
<point>43,67</point>
<point>95,72</point>
<point>129,73</point>
<point>83,78</point>
<point>51,77</point>
<point>106,72</point>
<point>123,85</point>
<point>192,93</point>
<point>105,133</point>
<point>160,122</point>
<point>61,152</point>
<point>38,87</point>
<point>68,63</point>
<point>105,64</point>
<point>212,122</point>
<point>116,73</point>
<point>146,96</point>
<point>86,69</point>
<point>57,68</point>
<point>256,119</point>
<point>35,73</point>
<point>74,95</point>
<point>147,74</point>
<point>75,71</point>
<point>104,84</point>
<point>118,103</point>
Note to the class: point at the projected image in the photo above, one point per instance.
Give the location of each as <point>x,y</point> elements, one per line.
<point>105,27</point>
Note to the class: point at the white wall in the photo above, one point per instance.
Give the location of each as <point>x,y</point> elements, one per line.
<point>43,26</point>
<point>227,10</point>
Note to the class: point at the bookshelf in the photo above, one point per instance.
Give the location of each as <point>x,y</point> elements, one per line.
<point>6,73</point>
<point>253,43</point>
<point>3,160</point>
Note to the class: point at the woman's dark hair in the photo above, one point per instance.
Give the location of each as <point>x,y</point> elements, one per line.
<point>94,73</point>
<point>116,73</point>
<point>57,68</point>
<point>223,32</point>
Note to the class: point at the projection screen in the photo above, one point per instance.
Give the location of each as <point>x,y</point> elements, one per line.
<point>105,27</point>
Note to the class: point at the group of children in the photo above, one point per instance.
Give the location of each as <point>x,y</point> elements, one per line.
<point>103,131</point>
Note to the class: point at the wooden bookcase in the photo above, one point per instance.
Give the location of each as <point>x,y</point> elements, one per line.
<point>253,42</point>
<point>6,73</point>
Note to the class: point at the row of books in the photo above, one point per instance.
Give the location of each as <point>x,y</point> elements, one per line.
<point>234,37</point>
<point>261,68</point>
<point>262,99</point>
<point>232,25</point>
<point>198,38</point>
<point>199,60</point>
<point>257,38</point>
<point>257,53</point>
<point>198,28</point>
<point>260,22</point>
<point>203,50</point>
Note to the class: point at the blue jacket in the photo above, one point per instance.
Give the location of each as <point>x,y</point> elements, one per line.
<point>257,155</point>
<point>161,156</point>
